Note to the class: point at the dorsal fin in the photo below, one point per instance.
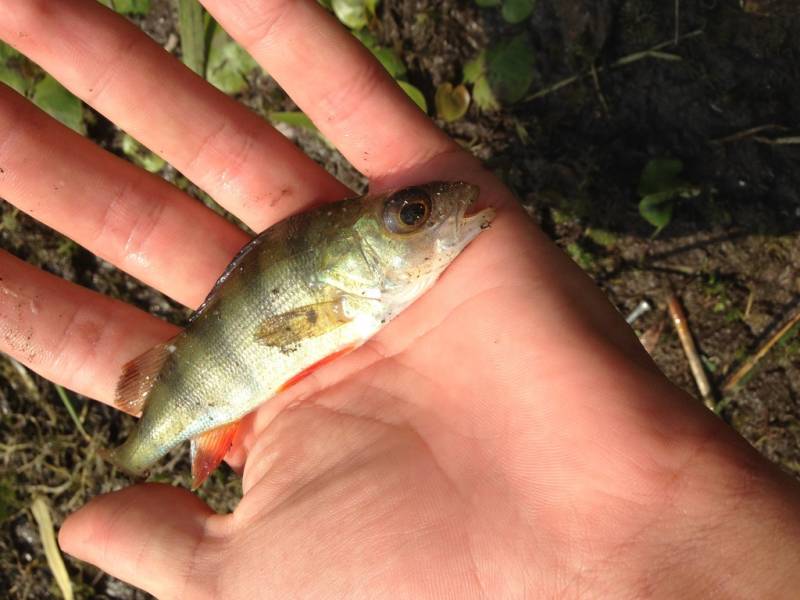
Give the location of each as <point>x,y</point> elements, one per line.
<point>138,377</point>
<point>234,264</point>
<point>208,450</point>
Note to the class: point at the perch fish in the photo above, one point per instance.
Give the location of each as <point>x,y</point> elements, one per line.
<point>307,290</point>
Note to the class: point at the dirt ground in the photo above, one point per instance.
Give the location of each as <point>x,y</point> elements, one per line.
<point>574,156</point>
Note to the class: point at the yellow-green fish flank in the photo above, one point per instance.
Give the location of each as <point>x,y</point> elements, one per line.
<point>307,289</point>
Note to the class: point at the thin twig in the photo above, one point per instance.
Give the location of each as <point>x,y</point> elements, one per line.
<point>736,378</point>
<point>625,60</point>
<point>62,393</point>
<point>599,90</point>
<point>681,324</point>
<point>781,141</point>
<point>741,135</point>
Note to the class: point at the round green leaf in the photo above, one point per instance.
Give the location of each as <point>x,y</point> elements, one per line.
<point>516,11</point>
<point>509,67</point>
<point>451,102</point>
<point>352,13</point>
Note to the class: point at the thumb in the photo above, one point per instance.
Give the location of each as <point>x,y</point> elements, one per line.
<point>153,536</point>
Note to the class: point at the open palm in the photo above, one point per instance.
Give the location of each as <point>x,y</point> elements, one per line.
<point>505,435</point>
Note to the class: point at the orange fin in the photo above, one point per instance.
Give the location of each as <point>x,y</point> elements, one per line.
<point>321,363</point>
<point>138,377</point>
<point>208,450</point>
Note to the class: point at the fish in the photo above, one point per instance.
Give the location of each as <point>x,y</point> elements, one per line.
<point>306,291</point>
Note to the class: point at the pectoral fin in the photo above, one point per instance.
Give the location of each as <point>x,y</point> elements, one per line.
<point>208,450</point>
<point>138,377</point>
<point>287,329</point>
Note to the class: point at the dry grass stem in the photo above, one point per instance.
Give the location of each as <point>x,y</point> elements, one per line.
<point>733,381</point>
<point>41,512</point>
<point>681,324</point>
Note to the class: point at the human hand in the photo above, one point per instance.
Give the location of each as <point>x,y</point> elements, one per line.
<point>505,435</point>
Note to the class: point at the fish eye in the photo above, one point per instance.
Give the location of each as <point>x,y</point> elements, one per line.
<point>407,210</point>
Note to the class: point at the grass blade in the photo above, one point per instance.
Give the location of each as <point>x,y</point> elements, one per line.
<point>193,35</point>
<point>62,393</point>
<point>41,512</point>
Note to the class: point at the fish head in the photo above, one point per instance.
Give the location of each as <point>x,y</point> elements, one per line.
<point>414,233</point>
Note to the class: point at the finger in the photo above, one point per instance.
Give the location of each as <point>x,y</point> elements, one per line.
<point>223,147</point>
<point>157,537</point>
<point>129,217</point>
<point>69,334</point>
<point>336,81</point>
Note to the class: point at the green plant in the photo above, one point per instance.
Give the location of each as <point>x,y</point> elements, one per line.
<point>513,11</point>
<point>451,102</point>
<point>192,28</point>
<point>31,81</point>
<point>129,7</point>
<point>141,155</point>
<point>660,187</point>
<point>353,13</point>
<point>228,64</point>
<point>502,74</point>
<point>394,65</point>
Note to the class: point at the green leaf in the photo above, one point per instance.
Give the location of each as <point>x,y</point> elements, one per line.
<point>415,94</point>
<point>142,156</point>
<point>475,69</point>
<point>660,186</point>
<point>7,52</point>
<point>352,13</point>
<point>55,100</point>
<point>657,209</point>
<point>487,3</point>
<point>451,102</point>
<point>516,11</point>
<point>294,118</point>
<point>387,57</point>
<point>509,67</point>
<point>10,74</point>
<point>390,61</point>
<point>483,96</point>
<point>193,35</point>
<point>660,175</point>
<point>129,7</point>
<point>13,79</point>
<point>228,63</point>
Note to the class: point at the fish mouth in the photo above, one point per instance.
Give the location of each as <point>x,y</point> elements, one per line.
<point>470,224</point>
<point>483,216</point>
